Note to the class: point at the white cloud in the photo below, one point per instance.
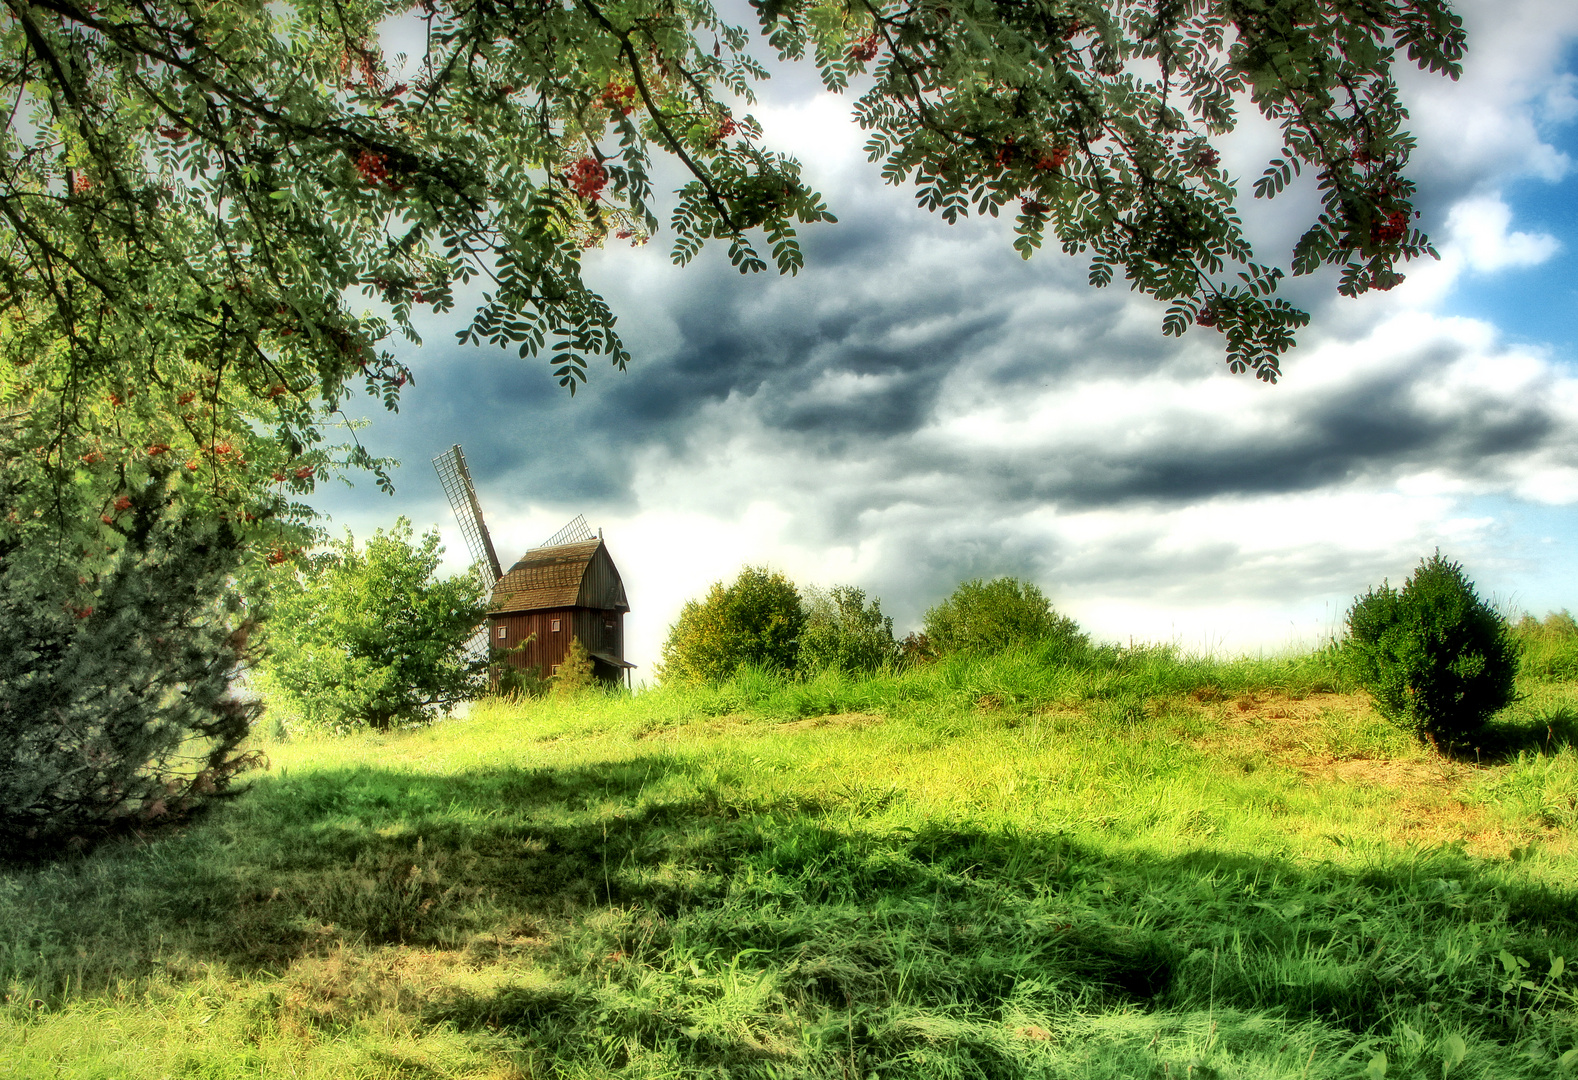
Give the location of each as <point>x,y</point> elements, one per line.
<point>1479,228</point>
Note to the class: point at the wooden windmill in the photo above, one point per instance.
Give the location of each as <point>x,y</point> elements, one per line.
<point>566,588</point>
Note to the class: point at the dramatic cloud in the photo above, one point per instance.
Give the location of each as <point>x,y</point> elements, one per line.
<point>919,405</point>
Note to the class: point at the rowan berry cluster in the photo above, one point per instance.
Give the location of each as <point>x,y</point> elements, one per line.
<point>864,49</point>
<point>1053,161</point>
<point>587,177</point>
<point>374,168</point>
<point>1393,229</point>
<point>1033,207</point>
<point>620,96</point>
<point>1207,158</point>
<point>1206,316</point>
<point>726,127</point>
<point>80,183</point>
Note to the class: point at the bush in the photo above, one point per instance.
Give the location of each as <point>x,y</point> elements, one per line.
<point>843,633</point>
<point>756,620</point>
<point>368,637</point>
<point>575,671</point>
<point>1436,659</point>
<point>117,649</point>
<point>993,615</point>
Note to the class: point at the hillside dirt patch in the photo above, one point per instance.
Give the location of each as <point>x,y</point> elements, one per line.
<point>734,723</point>
<point>1333,741</point>
<point>841,720</point>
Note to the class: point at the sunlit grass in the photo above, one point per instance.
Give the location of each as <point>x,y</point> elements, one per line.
<point>1138,867</point>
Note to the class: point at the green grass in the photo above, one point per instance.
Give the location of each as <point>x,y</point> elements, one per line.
<point>1139,867</point>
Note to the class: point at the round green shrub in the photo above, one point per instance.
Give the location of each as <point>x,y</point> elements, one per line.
<point>756,620</point>
<point>988,616</point>
<point>1437,660</point>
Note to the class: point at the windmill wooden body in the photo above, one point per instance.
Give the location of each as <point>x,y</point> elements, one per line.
<point>566,588</point>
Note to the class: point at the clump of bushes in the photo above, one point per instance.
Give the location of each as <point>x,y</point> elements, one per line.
<point>762,621</point>
<point>989,616</point>
<point>756,620</point>
<point>1437,660</point>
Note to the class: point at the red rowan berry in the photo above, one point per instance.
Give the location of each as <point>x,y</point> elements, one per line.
<point>1393,229</point>
<point>373,167</point>
<point>1054,161</point>
<point>587,178</point>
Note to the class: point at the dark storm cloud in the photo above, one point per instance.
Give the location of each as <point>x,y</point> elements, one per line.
<point>845,364</point>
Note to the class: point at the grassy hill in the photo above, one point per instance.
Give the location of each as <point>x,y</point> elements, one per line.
<point>1138,867</point>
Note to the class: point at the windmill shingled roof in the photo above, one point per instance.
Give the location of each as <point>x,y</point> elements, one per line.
<point>548,577</point>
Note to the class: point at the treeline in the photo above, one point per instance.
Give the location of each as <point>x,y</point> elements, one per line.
<point>763,619</point>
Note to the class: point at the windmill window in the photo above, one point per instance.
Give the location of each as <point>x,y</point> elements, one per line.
<point>556,626</point>
<point>504,632</point>
<point>555,670</point>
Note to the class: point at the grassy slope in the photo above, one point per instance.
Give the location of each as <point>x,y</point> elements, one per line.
<point>1137,869</point>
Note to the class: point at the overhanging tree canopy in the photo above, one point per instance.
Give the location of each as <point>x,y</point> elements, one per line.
<point>239,203</point>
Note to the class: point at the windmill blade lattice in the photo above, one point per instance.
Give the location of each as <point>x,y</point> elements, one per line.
<point>456,478</point>
<point>574,533</point>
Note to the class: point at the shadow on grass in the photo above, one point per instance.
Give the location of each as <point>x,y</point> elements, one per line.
<point>649,884</point>
<point>1546,732</point>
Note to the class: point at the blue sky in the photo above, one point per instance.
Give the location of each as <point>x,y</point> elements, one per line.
<point>920,406</point>
<point>1536,304</point>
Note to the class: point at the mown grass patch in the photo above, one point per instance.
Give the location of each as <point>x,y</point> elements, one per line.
<point>981,869</point>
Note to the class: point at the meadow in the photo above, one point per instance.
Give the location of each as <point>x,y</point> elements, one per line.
<point>1140,865</point>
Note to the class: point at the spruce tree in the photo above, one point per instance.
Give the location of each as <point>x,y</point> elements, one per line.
<point>118,646</point>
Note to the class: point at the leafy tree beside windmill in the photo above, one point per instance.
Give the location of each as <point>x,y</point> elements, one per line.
<point>566,590</point>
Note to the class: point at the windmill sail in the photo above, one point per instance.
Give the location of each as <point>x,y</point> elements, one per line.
<point>573,533</point>
<point>456,478</point>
